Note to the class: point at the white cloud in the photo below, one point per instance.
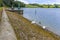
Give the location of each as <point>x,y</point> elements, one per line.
<point>52,2</point>
<point>57,1</point>
<point>26,2</point>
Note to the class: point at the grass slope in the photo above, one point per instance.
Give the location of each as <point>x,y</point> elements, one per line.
<point>26,31</point>
<point>0,13</point>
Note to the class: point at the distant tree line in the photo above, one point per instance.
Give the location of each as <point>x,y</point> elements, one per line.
<point>46,5</point>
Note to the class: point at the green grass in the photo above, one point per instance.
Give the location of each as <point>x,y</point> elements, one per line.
<point>1,8</point>
<point>0,16</point>
<point>0,13</point>
<point>30,6</point>
<point>25,30</point>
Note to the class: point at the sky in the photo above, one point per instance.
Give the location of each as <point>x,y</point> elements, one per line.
<point>41,1</point>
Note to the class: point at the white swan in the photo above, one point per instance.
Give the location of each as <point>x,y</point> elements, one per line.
<point>44,27</point>
<point>33,22</point>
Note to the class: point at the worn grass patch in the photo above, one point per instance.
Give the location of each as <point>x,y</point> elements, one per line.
<point>26,31</point>
<point>1,8</point>
<point>0,14</point>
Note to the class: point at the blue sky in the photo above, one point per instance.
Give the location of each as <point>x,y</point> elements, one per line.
<point>41,1</point>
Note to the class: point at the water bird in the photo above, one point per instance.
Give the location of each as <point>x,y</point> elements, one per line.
<point>44,27</point>
<point>33,22</point>
<point>39,22</point>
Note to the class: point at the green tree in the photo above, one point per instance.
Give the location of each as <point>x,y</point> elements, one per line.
<point>1,3</point>
<point>11,3</point>
<point>8,2</point>
<point>19,4</point>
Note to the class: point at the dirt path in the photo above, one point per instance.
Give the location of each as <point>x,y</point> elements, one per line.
<point>6,30</point>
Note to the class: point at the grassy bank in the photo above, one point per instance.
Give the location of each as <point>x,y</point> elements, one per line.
<point>26,31</point>
<point>0,13</point>
<point>1,8</point>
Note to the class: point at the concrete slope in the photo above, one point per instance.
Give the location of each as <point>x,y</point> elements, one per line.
<point>6,30</point>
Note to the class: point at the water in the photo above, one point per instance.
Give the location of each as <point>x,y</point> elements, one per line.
<point>49,17</point>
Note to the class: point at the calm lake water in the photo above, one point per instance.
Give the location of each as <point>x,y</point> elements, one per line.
<point>49,17</point>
